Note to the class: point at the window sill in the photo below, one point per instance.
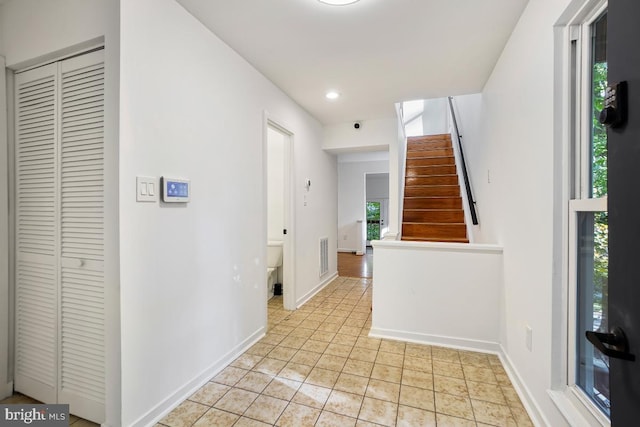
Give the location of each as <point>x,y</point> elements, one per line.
<point>575,411</point>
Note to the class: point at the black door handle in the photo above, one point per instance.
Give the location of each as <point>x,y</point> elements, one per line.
<point>614,344</point>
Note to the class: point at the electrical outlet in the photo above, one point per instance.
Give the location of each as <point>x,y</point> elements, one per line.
<point>344,237</point>
<point>488,176</point>
<point>529,337</point>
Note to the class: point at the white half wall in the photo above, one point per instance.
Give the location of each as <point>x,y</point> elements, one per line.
<point>438,293</point>
<point>373,135</point>
<point>193,276</point>
<point>352,202</point>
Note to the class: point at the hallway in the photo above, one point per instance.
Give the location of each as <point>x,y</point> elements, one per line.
<point>352,265</point>
<point>317,367</point>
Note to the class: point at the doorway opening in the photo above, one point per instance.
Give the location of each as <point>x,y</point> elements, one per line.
<point>376,206</point>
<point>278,154</point>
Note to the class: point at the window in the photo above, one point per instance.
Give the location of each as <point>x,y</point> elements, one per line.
<point>588,220</point>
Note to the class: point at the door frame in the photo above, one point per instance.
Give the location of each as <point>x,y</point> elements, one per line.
<point>384,215</point>
<point>6,380</point>
<point>288,241</point>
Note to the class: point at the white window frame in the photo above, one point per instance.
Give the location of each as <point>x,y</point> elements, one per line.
<point>576,207</point>
<point>572,401</point>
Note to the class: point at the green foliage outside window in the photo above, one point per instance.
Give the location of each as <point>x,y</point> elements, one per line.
<point>599,189</point>
<point>373,221</point>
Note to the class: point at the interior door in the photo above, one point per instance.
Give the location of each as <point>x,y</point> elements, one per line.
<point>37,291</point>
<point>60,316</point>
<point>624,211</point>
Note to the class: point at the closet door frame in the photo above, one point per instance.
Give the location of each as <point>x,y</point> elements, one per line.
<point>94,412</point>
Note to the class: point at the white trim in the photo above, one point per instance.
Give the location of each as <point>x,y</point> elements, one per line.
<point>438,340</point>
<point>575,207</point>
<point>574,409</point>
<point>347,250</point>
<point>60,55</point>
<point>438,246</point>
<point>588,205</point>
<point>303,300</point>
<point>289,262</point>
<point>159,411</point>
<point>4,240</point>
<point>487,347</point>
<point>526,397</point>
<point>574,125</point>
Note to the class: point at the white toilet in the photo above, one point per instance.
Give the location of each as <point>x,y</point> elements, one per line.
<point>274,262</point>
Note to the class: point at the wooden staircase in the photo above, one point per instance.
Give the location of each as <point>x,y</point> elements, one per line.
<point>433,209</point>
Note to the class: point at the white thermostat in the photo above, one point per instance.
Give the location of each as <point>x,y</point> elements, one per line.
<point>175,190</point>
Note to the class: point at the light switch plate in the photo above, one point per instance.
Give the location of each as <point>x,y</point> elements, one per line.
<point>146,189</point>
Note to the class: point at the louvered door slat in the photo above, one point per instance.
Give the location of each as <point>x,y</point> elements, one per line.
<point>36,234</point>
<point>82,235</point>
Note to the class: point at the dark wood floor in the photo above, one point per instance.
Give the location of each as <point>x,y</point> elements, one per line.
<point>351,265</point>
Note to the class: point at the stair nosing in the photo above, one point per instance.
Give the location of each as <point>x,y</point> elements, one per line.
<point>434,210</point>
<point>432,197</point>
<point>435,223</point>
<point>431,185</point>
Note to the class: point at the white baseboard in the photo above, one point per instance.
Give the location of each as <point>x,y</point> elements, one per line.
<point>301,301</point>
<point>536,415</point>
<point>530,404</point>
<point>171,402</point>
<point>360,253</point>
<point>6,390</point>
<point>443,341</point>
<point>347,250</point>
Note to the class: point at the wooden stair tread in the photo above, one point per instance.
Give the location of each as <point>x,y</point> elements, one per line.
<point>429,137</point>
<point>440,157</point>
<point>432,185</point>
<point>427,239</point>
<point>435,223</point>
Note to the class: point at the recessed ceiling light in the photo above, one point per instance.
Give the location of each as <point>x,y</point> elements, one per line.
<point>338,2</point>
<point>332,95</point>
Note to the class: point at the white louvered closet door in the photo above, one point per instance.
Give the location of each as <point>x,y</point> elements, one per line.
<point>36,343</point>
<point>79,230</point>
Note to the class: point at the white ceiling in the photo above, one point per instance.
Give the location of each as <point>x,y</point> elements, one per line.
<point>374,52</point>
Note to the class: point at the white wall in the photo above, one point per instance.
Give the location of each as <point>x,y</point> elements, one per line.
<point>373,135</point>
<point>426,117</point>
<point>397,166</point>
<point>351,201</point>
<point>516,209</point>
<point>275,184</point>
<point>377,186</point>
<point>469,113</point>
<point>32,32</point>
<point>422,294</point>
<point>192,276</point>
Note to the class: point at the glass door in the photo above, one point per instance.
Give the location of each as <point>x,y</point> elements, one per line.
<point>374,221</point>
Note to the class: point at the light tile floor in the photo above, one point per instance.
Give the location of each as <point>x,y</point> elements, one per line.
<point>318,367</point>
